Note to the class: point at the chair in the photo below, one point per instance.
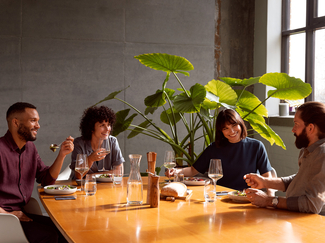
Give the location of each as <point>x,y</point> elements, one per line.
<point>33,207</point>
<point>64,175</point>
<point>273,173</point>
<point>10,228</point>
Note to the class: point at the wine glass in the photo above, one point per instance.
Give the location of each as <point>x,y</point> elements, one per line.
<point>103,149</point>
<point>169,162</point>
<point>82,166</point>
<point>215,171</point>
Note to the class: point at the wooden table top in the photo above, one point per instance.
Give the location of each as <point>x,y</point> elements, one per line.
<point>105,217</point>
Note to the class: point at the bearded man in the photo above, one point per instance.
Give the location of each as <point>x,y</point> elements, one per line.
<point>305,190</point>
<point>20,164</point>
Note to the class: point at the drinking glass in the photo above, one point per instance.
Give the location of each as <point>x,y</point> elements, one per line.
<point>209,191</point>
<point>169,162</point>
<point>179,177</point>
<point>215,171</point>
<point>90,187</point>
<point>104,149</point>
<point>81,166</point>
<point>117,174</point>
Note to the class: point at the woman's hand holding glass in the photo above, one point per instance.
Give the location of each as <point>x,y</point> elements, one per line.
<point>169,162</point>
<point>102,151</point>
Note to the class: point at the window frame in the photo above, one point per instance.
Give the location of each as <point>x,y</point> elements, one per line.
<point>312,23</point>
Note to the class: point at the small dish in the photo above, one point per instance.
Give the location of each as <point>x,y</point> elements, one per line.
<point>234,196</point>
<point>194,181</point>
<point>60,189</point>
<point>100,178</point>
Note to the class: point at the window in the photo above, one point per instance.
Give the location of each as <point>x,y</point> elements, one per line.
<point>303,43</point>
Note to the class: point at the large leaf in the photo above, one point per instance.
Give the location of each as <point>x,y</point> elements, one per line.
<point>247,115</point>
<point>287,88</point>
<point>137,130</point>
<point>166,62</point>
<point>247,101</point>
<point>240,82</point>
<point>266,132</point>
<point>111,96</point>
<point>122,123</point>
<point>150,110</point>
<point>191,104</point>
<point>168,114</point>
<point>158,99</point>
<point>222,90</point>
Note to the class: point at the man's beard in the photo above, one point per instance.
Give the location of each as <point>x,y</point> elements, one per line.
<point>302,140</point>
<point>25,133</point>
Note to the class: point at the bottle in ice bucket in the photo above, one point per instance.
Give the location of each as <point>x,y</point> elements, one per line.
<point>134,185</point>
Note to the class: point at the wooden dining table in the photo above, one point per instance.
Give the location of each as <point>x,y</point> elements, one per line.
<point>106,217</point>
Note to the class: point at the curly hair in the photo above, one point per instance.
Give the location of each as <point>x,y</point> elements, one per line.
<point>91,116</point>
<point>232,117</point>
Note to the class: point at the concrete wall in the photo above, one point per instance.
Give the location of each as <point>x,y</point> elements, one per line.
<point>64,56</point>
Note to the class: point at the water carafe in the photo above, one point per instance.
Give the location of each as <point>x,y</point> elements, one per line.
<point>135,185</point>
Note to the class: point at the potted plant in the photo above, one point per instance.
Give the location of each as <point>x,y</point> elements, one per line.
<point>197,108</point>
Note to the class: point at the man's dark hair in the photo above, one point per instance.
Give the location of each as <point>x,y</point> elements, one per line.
<point>18,107</point>
<point>232,117</point>
<point>313,112</point>
<point>91,116</point>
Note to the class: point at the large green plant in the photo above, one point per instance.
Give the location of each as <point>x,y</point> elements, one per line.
<point>196,109</point>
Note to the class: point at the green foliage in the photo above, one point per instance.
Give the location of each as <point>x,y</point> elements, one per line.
<point>201,104</point>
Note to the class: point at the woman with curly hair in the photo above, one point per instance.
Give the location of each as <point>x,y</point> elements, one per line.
<point>96,126</point>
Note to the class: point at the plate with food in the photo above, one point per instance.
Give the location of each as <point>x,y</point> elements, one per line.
<point>60,189</point>
<point>194,181</point>
<point>238,196</point>
<point>104,178</point>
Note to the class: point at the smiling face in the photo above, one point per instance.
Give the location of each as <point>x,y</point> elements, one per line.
<point>28,125</point>
<point>101,130</point>
<point>232,132</point>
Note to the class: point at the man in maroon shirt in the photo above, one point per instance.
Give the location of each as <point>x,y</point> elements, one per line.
<point>20,164</point>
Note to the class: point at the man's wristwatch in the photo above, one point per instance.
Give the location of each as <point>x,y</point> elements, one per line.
<point>275,202</point>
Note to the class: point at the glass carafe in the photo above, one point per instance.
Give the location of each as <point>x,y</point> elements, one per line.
<point>135,185</point>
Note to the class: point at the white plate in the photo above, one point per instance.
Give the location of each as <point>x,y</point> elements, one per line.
<point>233,195</point>
<point>61,192</point>
<point>103,179</point>
<point>194,183</point>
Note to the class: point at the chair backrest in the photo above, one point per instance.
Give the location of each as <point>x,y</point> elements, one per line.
<point>11,230</point>
<point>33,207</point>
<point>273,173</point>
<point>64,175</point>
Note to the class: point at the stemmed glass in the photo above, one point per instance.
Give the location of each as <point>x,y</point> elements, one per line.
<point>82,166</point>
<point>104,149</point>
<point>215,171</point>
<point>169,162</point>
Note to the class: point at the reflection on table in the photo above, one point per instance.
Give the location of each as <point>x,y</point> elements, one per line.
<point>106,217</point>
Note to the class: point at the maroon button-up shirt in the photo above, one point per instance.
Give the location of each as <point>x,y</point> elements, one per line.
<point>18,170</point>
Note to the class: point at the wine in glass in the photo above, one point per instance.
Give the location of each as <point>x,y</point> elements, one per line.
<point>103,149</point>
<point>81,166</point>
<point>169,162</point>
<point>215,171</point>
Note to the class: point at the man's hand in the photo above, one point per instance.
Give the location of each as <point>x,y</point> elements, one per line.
<point>258,197</point>
<point>19,214</point>
<point>67,146</point>
<point>254,181</point>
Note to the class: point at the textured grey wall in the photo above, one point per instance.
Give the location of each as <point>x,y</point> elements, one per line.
<point>64,56</point>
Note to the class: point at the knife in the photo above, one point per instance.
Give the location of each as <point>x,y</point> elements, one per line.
<point>61,197</point>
